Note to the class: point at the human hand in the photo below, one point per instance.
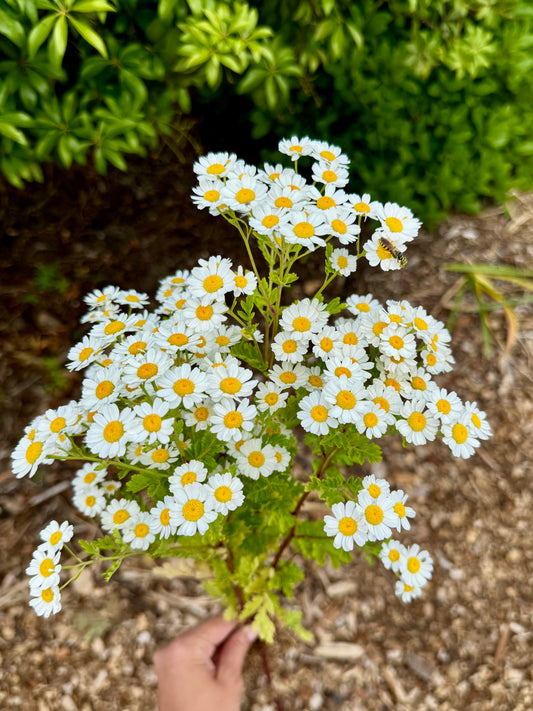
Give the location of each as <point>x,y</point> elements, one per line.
<point>201,670</point>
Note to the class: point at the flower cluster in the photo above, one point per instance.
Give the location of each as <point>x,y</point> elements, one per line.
<point>184,408</point>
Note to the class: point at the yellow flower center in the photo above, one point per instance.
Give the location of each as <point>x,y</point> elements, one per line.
<point>327,155</point>
<point>374,514</point>
<point>342,262</point>
<point>476,421</point>
<point>215,169</point>
<point>164,517</point>
<point>417,421</point>
<point>270,221</point>
<point>341,370</point>
<point>301,324</point>
<point>201,414</point>
<point>319,413</point>
<point>230,385</point>
<point>384,404</point>
<point>34,452</point>
<point>90,501</point>
<point>256,459</point>
<point>347,526</point>
<point>361,207</point>
<point>141,530</point>
<point>160,456</point>
<point>137,347</point>
<point>271,398</point>
<point>193,510</point>
<point>370,419</point>
<point>418,383</point>
<point>420,324</point>
<point>55,538</point>
<point>325,202</point>
<point>152,423</point>
<point>396,342</point>
<point>233,419</point>
<point>374,490</point>
<point>211,195</point>
<point>289,346</point>
<point>47,595</point>
<point>183,386</point>
<point>459,433</point>
<point>213,283</point>
<point>339,226</point>
<point>113,431</point>
<point>382,252</point>
<point>244,195</point>
<point>85,353</point>
<point>304,230</point>
<point>283,202</point>
<point>114,327</point>
<point>378,327</point>
<point>89,477</point>
<point>444,406</point>
<point>288,377</point>
<point>120,516</point>
<point>399,508</point>
<point>392,383</point>
<point>413,565</point>
<point>240,282</point>
<point>104,389</point>
<point>394,555</point>
<point>223,494</point>
<point>329,176</point>
<point>346,400</point>
<point>394,224</point>
<point>204,313</point>
<point>178,339</point>
<point>316,381</point>
<point>147,370</point>
<point>188,478</point>
<point>47,567</point>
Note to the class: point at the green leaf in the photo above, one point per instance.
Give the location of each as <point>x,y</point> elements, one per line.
<point>89,35</point>
<point>93,6</point>
<point>58,42</point>
<point>12,29</point>
<point>13,133</point>
<point>39,33</point>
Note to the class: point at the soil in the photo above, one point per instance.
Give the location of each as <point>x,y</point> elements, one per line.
<point>466,644</point>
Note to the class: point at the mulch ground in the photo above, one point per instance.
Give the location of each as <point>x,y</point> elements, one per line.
<point>466,644</point>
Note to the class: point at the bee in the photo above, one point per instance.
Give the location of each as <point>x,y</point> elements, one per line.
<point>399,256</point>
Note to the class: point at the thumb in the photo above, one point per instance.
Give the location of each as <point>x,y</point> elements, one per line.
<point>232,655</point>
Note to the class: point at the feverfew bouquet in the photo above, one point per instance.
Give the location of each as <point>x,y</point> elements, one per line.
<point>191,414</point>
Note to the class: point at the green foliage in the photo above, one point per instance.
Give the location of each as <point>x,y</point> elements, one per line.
<point>430,99</point>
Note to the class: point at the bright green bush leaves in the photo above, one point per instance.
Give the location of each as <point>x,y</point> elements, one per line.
<point>431,99</point>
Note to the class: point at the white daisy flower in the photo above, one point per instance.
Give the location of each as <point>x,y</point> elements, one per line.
<point>378,514</point>
<point>420,384</point>
<point>55,535</point>
<point>132,298</point>
<point>396,340</point>
<point>85,352</point>
<point>186,385</point>
<point>211,278</point>
<point>242,193</point>
<point>477,421</point>
<point>346,525</point>
<point>322,150</point>
<point>390,554</point>
<point>139,531</point>
<point>373,420</point>
<point>209,194</point>
<point>268,220</point>
<point>306,229</point>
<point>162,457</point>
<point>377,255</point>
<point>315,414</point>
<point>175,335</point>
<point>407,592</point>
<point>304,318</point>
<point>282,456</point>
<point>90,500</point>
<point>458,436</point>
<point>445,405</point>
<point>230,381</point>
<point>362,304</point>
<point>255,459</point>
<point>342,262</point>
<point>101,386</point>
<point>190,511</point>
<point>192,472</point>
<point>214,165</point>
<point>29,454</point>
<point>285,197</point>
<point>288,375</point>
<point>229,419</point>
<point>225,492</point>
<point>327,342</point>
<point>118,512</point>
<point>150,424</point>
<point>44,568</point>
<point>199,416</point>
<point>244,282</point>
<point>88,476</point>
<point>203,314</point>
<point>375,486</point>
<point>386,397</point>
<point>113,328</point>
<point>398,221</point>
<point>342,225</point>
<point>110,486</point>
<point>270,397</point>
<point>132,345</point>
<point>46,601</point>
<point>148,367</point>
<point>403,512</point>
<point>416,566</point>
<point>329,174</point>
<point>315,379</point>
<point>288,348</point>
<point>344,397</point>
<point>161,524</point>
<point>363,205</point>
<point>110,431</point>
<point>347,367</point>
<point>417,424</point>
<point>295,147</point>
<point>330,197</point>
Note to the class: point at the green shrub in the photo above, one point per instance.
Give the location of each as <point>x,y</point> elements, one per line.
<point>431,98</point>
